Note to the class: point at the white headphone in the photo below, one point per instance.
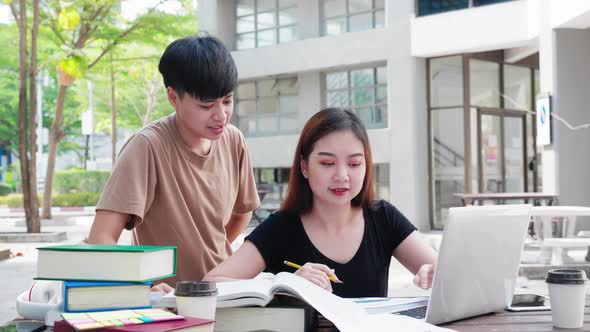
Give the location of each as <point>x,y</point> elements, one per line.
<point>45,291</point>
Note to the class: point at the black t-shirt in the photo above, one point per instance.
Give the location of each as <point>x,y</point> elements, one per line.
<point>282,237</point>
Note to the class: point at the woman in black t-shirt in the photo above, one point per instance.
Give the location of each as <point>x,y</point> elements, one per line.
<point>329,222</point>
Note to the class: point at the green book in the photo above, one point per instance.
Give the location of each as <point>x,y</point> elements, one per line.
<point>94,262</point>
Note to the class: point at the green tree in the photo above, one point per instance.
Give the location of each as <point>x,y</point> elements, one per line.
<point>88,30</point>
<point>27,106</point>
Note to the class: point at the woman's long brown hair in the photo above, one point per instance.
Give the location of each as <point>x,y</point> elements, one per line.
<point>299,197</point>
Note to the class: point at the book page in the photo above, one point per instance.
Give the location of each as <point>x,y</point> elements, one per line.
<point>344,313</point>
<point>244,292</point>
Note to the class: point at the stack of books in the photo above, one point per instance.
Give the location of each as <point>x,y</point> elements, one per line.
<point>110,286</point>
<point>106,277</point>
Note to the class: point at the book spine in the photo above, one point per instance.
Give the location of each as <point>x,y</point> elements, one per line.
<point>107,309</point>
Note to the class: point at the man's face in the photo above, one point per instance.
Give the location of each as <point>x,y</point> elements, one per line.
<point>202,118</point>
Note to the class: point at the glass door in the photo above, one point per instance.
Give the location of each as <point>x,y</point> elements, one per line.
<point>501,151</point>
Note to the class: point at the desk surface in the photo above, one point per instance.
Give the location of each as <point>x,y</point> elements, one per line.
<point>538,321</point>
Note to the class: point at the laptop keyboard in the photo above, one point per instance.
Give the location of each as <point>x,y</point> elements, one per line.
<point>418,312</point>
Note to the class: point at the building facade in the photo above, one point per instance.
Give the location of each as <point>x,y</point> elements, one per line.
<point>448,91</point>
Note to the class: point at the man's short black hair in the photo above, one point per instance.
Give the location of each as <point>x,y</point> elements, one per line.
<point>199,65</point>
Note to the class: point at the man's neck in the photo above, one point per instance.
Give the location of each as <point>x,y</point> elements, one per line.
<point>197,144</point>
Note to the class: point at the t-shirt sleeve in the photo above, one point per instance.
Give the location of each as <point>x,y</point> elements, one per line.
<point>395,226</point>
<point>247,198</point>
<point>269,238</point>
<point>131,186</point>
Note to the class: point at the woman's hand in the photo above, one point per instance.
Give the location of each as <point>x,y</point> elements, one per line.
<point>162,287</point>
<point>423,278</point>
<point>317,274</point>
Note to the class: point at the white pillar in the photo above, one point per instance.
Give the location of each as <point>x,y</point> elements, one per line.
<point>406,88</point>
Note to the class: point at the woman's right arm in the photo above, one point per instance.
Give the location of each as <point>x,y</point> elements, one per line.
<point>246,263</point>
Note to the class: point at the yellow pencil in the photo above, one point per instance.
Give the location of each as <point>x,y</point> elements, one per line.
<point>297,266</point>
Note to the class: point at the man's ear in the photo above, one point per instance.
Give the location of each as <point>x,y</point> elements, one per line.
<point>173,97</point>
<point>304,168</point>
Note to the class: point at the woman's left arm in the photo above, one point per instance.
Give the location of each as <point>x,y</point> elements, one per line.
<point>418,257</point>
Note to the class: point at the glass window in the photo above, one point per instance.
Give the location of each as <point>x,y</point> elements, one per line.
<point>365,93</point>
<point>267,37</point>
<point>245,24</point>
<point>247,91</point>
<point>244,7</point>
<point>448,160</point>
<point>357,6</point>
<point>427,7</point>
<point>381,172</point>
<point>338,80</point>
<point>484,83</point>
<point>268,106</point>
<point>446,81</point>
<point>262,5</point>
<point>361,22</point>
<point>517,87</point>
<point>339,16</point>
<point>335,26</point>
<point>268,22</point>
<point>246,40</point>
<point>287,34</point>
<point>379,19</point>
<point>333,8</point>
<point>362,77</point>
<point>288,16</point>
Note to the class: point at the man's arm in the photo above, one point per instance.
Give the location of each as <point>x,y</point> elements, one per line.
<point>236,224</point>
<point>107,227</point>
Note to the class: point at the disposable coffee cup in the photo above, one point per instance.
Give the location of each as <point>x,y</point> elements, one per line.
<point>567,294</point>
<point>196,299</point>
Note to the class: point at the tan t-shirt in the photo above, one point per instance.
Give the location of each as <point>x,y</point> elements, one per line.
<point>178,197</point>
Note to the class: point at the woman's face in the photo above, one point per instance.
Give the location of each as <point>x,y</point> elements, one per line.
<point>336,168</point>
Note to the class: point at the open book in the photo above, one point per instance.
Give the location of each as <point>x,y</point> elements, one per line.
<point>254,292</point>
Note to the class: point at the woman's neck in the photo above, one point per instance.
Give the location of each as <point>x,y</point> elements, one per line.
<point>333,218</point>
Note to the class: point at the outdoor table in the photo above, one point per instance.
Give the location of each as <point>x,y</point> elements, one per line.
<point>538,321</point>
<point>552,250</point>
<point>499,198</point>
<point>505,321</point>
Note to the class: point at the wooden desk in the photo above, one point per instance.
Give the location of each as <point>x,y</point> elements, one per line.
<point>538,321</point>
<point>499,198</point>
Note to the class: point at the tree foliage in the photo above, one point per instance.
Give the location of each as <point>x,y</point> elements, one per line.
<point>87,39</point>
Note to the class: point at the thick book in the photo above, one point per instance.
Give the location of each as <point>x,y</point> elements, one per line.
<point>255,292</point>
<point>283,314</point>
<point>188,324</point>
<point>80,296</point>
<point>92,262</point>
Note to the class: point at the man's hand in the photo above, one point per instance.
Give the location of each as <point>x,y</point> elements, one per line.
<point>423,278</point>
<point>162,287</point>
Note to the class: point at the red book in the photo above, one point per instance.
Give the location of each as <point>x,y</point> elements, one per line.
<point>188,324</point>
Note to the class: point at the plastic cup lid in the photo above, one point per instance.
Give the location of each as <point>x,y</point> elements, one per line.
<point>564,276</point>
<point>195,288</point>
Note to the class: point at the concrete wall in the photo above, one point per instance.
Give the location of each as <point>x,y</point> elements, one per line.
<point>571,102</point>
<point>492,27</point>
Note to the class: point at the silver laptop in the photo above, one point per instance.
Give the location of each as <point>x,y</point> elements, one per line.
<point>477,263</point>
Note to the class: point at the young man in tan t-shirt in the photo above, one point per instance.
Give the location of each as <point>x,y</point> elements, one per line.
<point>184,180</point>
